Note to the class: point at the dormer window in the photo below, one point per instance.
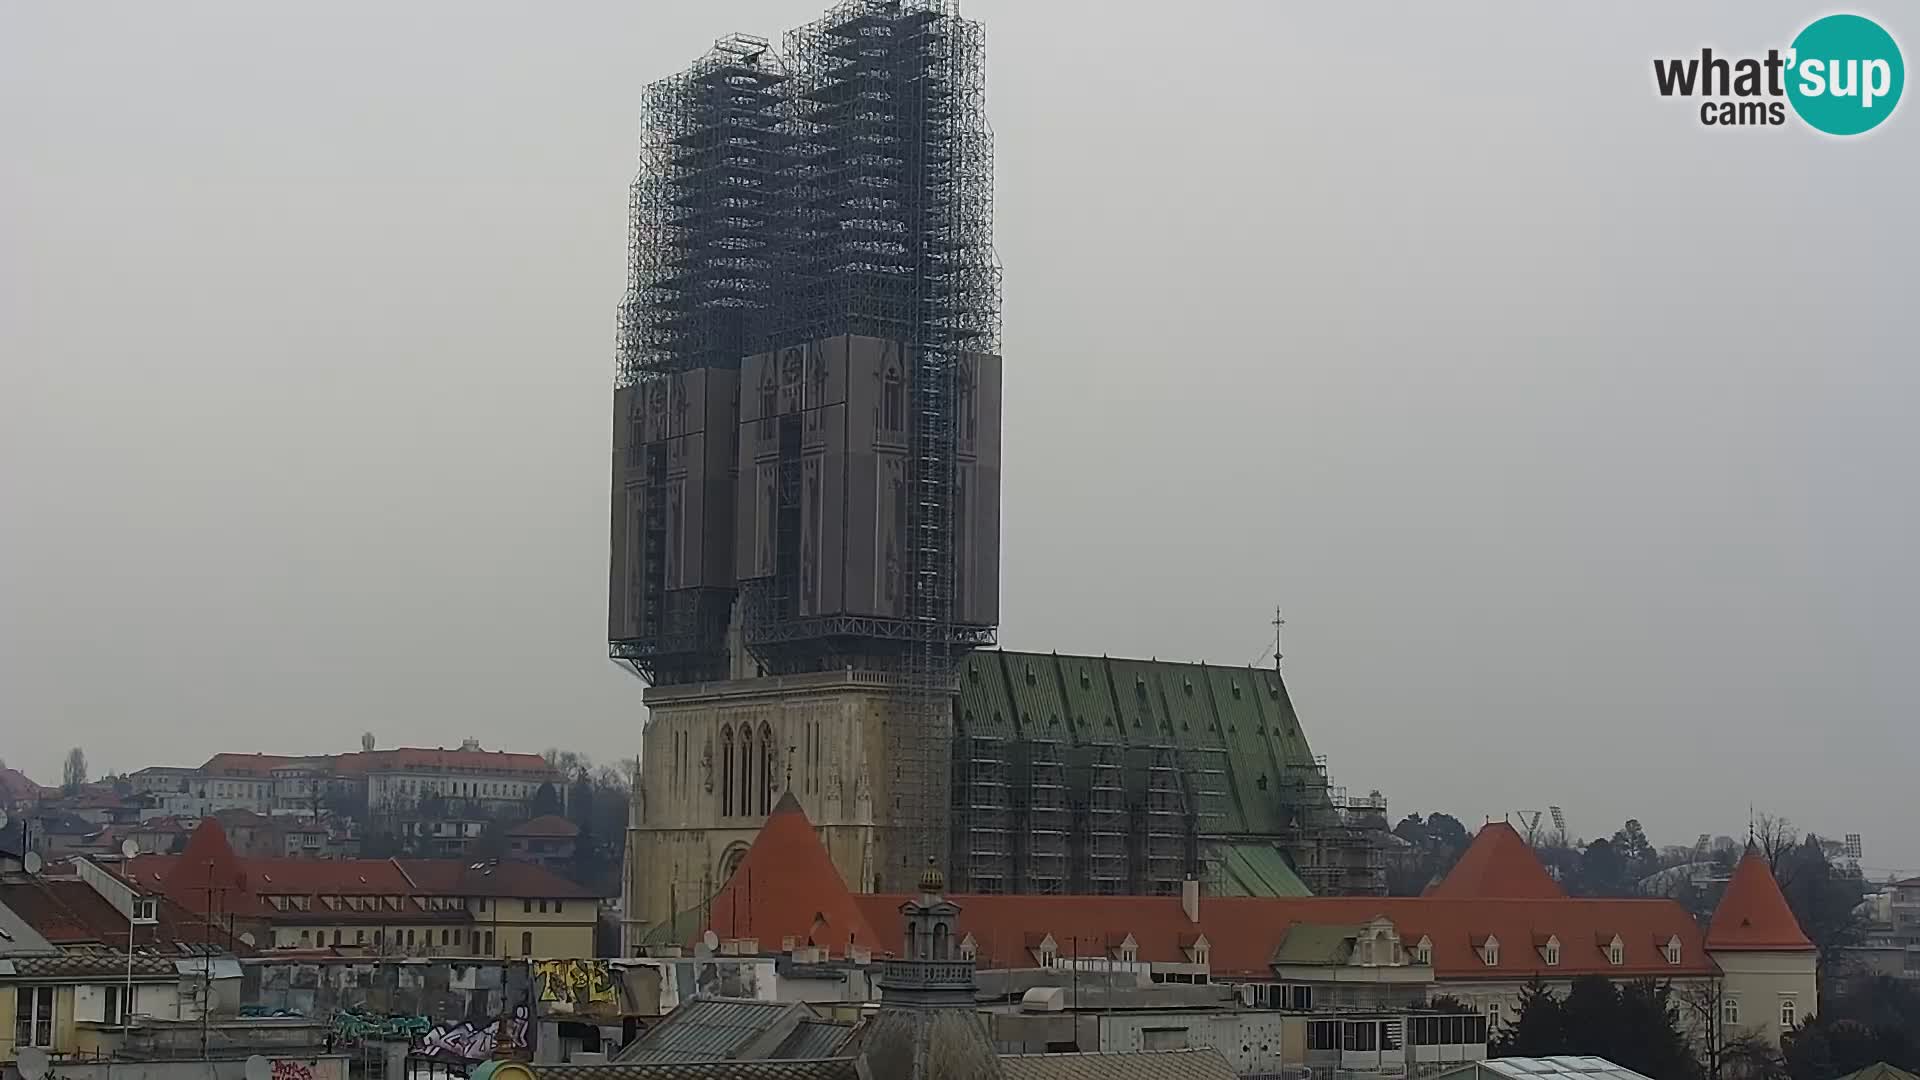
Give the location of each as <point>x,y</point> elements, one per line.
<point>1423,952</point>
<point>1616,952</point>
<point>1673,951</point>
<point>1550,952</point>
<point>1490,952</point>
<point>968,948</point>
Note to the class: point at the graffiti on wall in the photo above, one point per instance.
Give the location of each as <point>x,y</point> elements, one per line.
<point>580,984</point>
<point>283,1069</point>
<point>358,1025</point>
<point>474,1043</point>
<point>429,1038</point>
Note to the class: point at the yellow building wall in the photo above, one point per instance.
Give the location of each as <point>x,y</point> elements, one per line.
<point>564,931</point>
<point>6,1023</point>
<point>62,1021</point>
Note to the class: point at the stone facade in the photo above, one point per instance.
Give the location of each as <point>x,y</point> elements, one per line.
<point>719,755</point>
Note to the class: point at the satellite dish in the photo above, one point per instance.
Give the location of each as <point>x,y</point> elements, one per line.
<point>259,1068</point>
<point>129,848</point>
<point>32,1062</point>
<point>31,862</point>
<point>246,939</point>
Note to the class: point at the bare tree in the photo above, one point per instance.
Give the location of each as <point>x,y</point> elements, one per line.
<point>74,772</point>
<point>1775,836</point>
<point>1750,1057</point>
<point>1701,1002</point>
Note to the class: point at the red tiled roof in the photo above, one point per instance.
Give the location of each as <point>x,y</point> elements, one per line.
<point>365,761</point>
<point>67,911</point>
<point>546,825</point>
<point>1244,931</point>
<point>505,877</point>
<point>241,883</point>
<point>17,786</point>
<point>796,892</point>
<point>245,764</point>
<point>1753,915</point>
<point>407,757</point>
<point>786,886</point>
<point>1497,865</point>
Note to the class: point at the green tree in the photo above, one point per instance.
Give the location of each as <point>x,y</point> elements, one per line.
<point>1646,1033</point>
<point>546,800</point>
<point>1539,1027</point>
<point>1825,899</point>
<point>73,771</point>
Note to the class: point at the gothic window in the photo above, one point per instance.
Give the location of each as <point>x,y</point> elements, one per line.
<point>892,414</point>
<point>746,771</point>
<point>726,770</point>
<point>766,769</point>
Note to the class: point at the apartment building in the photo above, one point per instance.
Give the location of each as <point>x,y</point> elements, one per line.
<point>412,907</point>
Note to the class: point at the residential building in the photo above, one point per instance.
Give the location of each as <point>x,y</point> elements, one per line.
<point>1480,935</point>
<point>547,840</point>
<point>162,780</point>
<point>1903,912</point>
<point>474,781</point>
<point>80,949</point>
<point>442,836</point>
<point>18,791</point>
<point>419,907</point>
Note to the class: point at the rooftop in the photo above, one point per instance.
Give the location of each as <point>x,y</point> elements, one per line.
<point>715,1029</point>
<point>210,864</point>
<point>1753,915</point>
<point>1497,864</point>
<point>1197,1063</point>
<point>546,825</point>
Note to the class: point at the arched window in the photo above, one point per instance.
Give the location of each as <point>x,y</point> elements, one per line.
<point>767,766</point>
<point>940,942</point>
<point>726,770</point>
<point>746,771</point>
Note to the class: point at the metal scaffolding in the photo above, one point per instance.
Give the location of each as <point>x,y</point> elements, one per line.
<point>842,185</point>
<point>1334,836</point>
<point>701,262</point>
<point>888,234</point>
<point>704,213</point>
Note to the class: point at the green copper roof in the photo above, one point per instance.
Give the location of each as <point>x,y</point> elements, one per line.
<point>1306,943</point>
<point>1235,721</point>
<point>1254,869</point>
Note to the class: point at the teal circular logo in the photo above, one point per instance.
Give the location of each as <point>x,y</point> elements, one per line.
<point>1845,75</point>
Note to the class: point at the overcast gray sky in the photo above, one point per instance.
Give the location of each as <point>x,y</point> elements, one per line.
<point>1575,437</point>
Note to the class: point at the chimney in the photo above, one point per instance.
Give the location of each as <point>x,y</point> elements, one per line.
<point>1190,899</point>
